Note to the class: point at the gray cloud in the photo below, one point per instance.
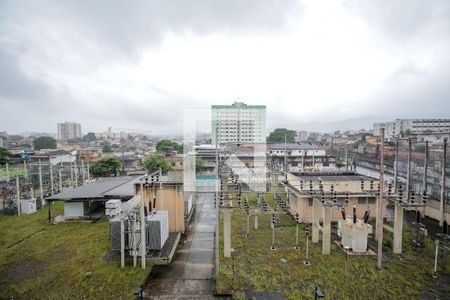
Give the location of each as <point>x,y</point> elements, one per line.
<point>15,85</point>
<point>404,19</point>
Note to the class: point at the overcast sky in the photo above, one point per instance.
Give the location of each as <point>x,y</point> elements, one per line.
<point>319,65</point>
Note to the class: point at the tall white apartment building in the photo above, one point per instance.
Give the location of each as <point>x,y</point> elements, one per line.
<point>412,126</point>
<point>68,131</point>
<point>238,123</point>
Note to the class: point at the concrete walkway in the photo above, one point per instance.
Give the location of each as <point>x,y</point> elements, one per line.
<point>190,274</point>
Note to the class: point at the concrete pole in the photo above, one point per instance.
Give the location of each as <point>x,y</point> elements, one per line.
<point>408,171</point>
<point>285,159</point>
<point>326,234</point>
<point>256,222</point>
<point>425,177</point>
<point>436,244</point>
<point>315,221</point>
<point>88,175</point>
<point>346,159</point>
<point>142,217</point>
<point>248,225</point>
<point>133,239</point>
<point>83,174</point>
<point>227,232</point>
<point>60,180</point>
<point>75,171</point>
<point>425,168</point>
<point>380,206</point>
<point>398,229</point>
<point>25,170</point>
<point>51,178</point>
<point>217,209</point>
<point>71,170</point>
<point>396,167</point>
<point>7,172</point>
<point>122,239</point>
<point>41,188</point>
<point>443,221</point>
<point>162,195</point>
<point>303,160</point>
<point>313,159</point>
<point>18,195</point>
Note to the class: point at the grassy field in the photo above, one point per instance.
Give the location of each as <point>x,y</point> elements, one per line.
<point>13,171</point>
<point>42,261</point>
<point>258,268</point>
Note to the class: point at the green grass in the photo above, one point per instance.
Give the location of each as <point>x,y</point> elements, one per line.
<point>13,171</point>
<point>257,267</point>
<point>51,261</point>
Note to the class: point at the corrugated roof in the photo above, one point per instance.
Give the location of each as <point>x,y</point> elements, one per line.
<point>123,190</point>
<point>120,186</point>
<point>291,146</point>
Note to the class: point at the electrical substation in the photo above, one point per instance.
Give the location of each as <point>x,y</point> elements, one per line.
<point>339,217</point>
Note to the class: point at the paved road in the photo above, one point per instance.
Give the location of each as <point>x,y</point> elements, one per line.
<point>190,274</point>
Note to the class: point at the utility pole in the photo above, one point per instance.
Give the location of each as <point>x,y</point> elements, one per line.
<point>75,171</point>
<point>25,171</point>
<point>425,168</point>
<point>285,159</point>
<point>217,206</point>
<point>7,172</point>
<point>133,239</point>
<point>162,195</point>
<point>143,244</point>
<point>408,171</point>
<point>88,175</point>
<point>443,221</point>
<point>396,166</point>
<point>51,178</point>
<point>346,158</point>
<point>425,178</point>
<point>122,239</point>
<point>71,170</point>
<point>18,195</point>
<point>60,180</point>
<point>83,175</point>
<point>41,188</point>
<point>380,205</point>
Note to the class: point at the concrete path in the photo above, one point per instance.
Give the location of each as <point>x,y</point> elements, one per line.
<point>190,274</point>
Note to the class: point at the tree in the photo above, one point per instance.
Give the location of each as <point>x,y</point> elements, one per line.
<point>4,156</point>
<point>277,136</point>
<point>107,148</point>
<point>162,145</point>
<point>44,142</point>
<point>90,137</point>
<point>107,166</point>
<point>199,163</point>
<point>155,162</point>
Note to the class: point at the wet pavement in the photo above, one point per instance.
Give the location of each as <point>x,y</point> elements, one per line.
<point>190,274</point>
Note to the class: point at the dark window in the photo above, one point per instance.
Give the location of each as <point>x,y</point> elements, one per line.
<point>372,200</point>
<point>362,200</point>
<point>310,201</point>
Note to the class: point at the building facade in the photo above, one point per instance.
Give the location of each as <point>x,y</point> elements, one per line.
<point>238,123</point>
<point>412,126</point>
<point>68,131</point>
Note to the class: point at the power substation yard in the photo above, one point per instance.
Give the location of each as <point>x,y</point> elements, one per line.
<point>39,260</point>
<point>254,267</point>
